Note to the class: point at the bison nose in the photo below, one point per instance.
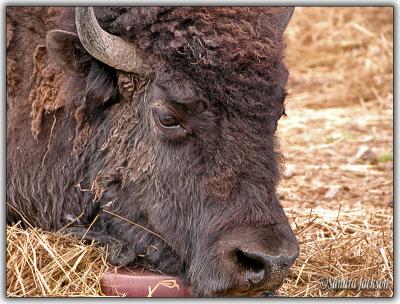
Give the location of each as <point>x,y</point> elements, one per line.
<point>260,267</point>
<point>245,261</point>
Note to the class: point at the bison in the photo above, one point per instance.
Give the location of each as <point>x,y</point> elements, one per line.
<point>152,130</point>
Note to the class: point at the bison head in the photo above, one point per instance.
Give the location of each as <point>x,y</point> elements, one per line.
<point>177,110</point>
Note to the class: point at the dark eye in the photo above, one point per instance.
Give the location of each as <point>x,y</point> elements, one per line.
<point>168,120</point>
<point>170,123</point>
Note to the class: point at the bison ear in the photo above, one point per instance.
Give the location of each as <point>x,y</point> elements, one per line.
<point>68,52</point>
<point>283,17</point>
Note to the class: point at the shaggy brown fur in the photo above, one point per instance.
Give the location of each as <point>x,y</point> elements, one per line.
<point>46,95</point>
<point>205,189</point>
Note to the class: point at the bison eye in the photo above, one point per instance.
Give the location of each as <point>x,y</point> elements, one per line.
<point>168,120</point>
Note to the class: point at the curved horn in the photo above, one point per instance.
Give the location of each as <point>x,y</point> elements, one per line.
<point>109,49</point>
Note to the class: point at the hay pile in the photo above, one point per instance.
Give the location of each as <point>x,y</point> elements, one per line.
<point>339,200</point>
<point>51,264</point>
<point>352,243</point>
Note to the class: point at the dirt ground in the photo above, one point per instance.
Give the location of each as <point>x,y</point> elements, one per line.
<point>340,206</point>
<point>337,188</point>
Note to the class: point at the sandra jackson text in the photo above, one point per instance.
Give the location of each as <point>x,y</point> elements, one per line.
<point>328,283</point>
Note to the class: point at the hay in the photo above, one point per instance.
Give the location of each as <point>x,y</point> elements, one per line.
<point>343,244</point>
<point>165,283</point>
<point>42,263</point>
<point>340,56</point>
<point>340,206</point>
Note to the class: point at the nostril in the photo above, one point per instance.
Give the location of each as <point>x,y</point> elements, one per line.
<point>254,267</point>
<point>258,267</point>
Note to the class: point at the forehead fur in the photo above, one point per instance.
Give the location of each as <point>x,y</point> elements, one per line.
<point>232,54</point>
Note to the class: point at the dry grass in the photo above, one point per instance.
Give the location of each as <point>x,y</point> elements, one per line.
<point>51,264</point>
<point>341,99</point>
<point>340,56</point>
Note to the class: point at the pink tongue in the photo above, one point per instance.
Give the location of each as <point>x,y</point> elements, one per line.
<point>138,282</point>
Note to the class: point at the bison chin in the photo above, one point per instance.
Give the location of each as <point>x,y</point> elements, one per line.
<point>244,261</point>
